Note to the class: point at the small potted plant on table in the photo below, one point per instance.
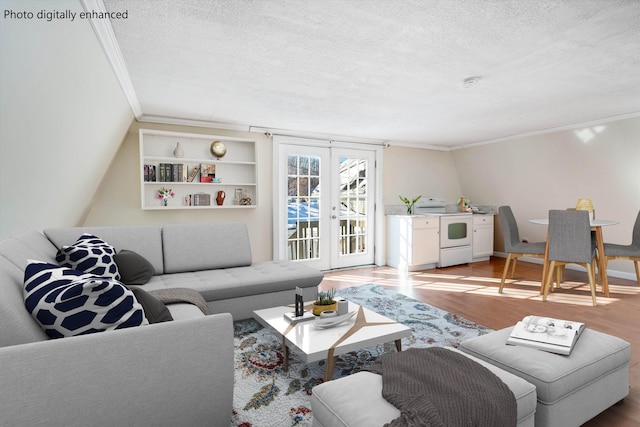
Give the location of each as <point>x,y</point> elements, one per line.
<point>325,302</point>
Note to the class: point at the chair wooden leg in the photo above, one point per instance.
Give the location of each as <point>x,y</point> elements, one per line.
<point>559,271</point>
<point>545,268</point>
<point>561,276</point>
<point>637,271</point>
<point>547,280</point>
<point>513,266</point>
<point>504,272</point>
<point>592,283</point>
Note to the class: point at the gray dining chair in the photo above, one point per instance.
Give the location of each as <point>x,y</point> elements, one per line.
<point>628,252</point>
<point>595,242</point>
<point>513,246</point>
<point>569,237</point>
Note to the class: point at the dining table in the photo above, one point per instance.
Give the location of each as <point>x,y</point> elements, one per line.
<point>596,225</point>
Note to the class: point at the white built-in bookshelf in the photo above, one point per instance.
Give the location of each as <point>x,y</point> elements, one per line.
<point>235,173</point>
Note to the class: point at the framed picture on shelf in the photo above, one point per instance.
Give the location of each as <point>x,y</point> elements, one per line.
<point>207,172</point>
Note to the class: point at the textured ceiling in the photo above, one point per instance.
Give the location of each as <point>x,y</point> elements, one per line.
<point>387,70</point>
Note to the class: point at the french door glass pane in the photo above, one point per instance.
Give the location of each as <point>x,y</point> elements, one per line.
<point>353,205</point>
<point>303,207</point>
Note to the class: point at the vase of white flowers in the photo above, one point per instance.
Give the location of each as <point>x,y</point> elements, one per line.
<point>165,194</point>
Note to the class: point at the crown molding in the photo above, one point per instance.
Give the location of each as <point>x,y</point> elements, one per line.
<point>194,123</point>
<point>574,126</point>
<point>107,39</point>
<point>317,136</point>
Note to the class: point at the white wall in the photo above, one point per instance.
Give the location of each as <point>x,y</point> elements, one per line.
<point>551,171</point>
<point>411,172</point>
<point>62,118</point>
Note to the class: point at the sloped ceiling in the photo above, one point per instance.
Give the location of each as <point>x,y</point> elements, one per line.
<point>383,70</point>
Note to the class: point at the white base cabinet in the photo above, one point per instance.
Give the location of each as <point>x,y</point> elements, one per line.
<point>413,242</point>
<point>482,237</point>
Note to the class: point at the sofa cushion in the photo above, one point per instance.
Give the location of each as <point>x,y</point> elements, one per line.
<point>68,302</point>
<point>145,240</point>
<point>134,268</point>
<point>89,254</point>
<point>208,246</point>
<point>257,279</point>
<point>18,327</point>
<point>154,310</point>
<point>28,245</point>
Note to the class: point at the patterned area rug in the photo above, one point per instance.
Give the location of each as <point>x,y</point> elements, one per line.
<point>267,395</point>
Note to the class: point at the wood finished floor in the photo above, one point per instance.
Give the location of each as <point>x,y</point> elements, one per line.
<point>471,291</point>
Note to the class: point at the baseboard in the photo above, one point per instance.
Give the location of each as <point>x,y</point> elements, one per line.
<point>612,273</point>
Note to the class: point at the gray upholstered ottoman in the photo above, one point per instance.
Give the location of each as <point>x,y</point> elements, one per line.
<point>356,400</point>
<point>571,389</point>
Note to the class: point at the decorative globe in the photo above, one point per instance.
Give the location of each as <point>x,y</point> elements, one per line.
<point>218,149</point>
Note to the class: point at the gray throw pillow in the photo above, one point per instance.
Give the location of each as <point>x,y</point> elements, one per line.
<point>154,310</point>
<point>134,269</point>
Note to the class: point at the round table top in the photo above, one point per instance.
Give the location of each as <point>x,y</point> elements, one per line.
<point>592,222</point>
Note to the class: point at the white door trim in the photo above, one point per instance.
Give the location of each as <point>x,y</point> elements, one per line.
<point>279,249</point>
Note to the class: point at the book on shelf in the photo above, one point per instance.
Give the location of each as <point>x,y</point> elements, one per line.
<point>165,172</point>
<point>291,317</point>
<point>152,173</point>
<point>194,173</point>
<point>207,172</point>
<point>175,172</point>
<point>547,334</point>
<point>161,172</point>
<point>169,172</point>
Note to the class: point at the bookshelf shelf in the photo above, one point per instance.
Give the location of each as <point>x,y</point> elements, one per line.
<point>159,168</point>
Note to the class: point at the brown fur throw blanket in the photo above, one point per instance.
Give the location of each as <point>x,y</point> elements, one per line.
<point>439,387</point>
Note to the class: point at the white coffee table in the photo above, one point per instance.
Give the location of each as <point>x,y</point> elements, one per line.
<point>365,329</point>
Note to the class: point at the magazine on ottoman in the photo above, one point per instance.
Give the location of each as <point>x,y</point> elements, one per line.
<point>547,334</point>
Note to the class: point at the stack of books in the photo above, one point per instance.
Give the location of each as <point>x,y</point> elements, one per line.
<point>292,318</point>
<point>547,334</point>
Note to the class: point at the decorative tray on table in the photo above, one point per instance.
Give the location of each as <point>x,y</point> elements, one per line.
<point>330,322</point>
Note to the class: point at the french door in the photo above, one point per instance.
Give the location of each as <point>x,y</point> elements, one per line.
<point>326,205</point>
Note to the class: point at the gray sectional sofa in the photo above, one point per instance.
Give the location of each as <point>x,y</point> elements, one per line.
<point>212,258</point>
<point>162,374</point>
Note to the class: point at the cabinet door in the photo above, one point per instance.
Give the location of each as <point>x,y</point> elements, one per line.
<point>426,241</point>
<point>482,241</point>
<point>482,236</point>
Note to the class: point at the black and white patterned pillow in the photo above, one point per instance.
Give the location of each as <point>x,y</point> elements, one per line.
<point>89,254</point>
<point>68,302</point>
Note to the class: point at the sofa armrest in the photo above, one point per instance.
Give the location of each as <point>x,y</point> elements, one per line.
<point>164,374</point>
